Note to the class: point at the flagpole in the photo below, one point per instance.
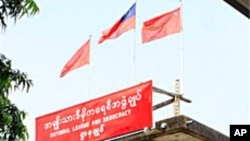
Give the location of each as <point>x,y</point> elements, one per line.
<point>181,54</point>
<point>88,92</point>
<point>134,48</point>
<point>134,60</point>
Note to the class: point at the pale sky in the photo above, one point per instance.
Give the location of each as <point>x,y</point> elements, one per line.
<point>216,63</point>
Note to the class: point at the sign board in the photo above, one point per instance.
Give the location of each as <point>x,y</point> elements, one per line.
<point>118,113</point>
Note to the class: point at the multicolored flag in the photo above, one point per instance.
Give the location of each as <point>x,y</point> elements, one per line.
<point>161,26</point>
<point>125,23</point>
<point>80,58</point>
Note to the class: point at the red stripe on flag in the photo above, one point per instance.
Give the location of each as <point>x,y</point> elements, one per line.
<point>118,28</point>
<point>127,22</point>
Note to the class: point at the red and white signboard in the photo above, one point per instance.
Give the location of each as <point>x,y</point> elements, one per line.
<point>106,117</point>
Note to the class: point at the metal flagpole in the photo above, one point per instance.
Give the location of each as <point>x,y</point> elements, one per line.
<point>134,59</point>
<point>134,47</point>
<point>181,53</point>
<point>88,93</point>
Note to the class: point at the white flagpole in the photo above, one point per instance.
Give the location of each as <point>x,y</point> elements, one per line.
<point>181,54</point>
<point>134,60</point>
<point>88,93</point>
<point>134,48</point>
<point>90,56</point>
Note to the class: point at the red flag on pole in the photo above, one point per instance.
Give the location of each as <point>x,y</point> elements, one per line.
<point>161,26</point>
<point>125,23</point>
<point>80,58</point>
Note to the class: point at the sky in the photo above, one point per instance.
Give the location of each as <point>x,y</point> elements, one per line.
<point>215,41</point>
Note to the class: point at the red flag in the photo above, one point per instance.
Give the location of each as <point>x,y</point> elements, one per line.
<point>161,26</point>
<point>80,58</point>
<point>125,23</point>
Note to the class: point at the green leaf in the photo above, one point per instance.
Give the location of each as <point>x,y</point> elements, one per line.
<point>11,118</point>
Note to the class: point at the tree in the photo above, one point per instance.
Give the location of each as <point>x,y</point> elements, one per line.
<point>16,9</point>
<point>11,117</point>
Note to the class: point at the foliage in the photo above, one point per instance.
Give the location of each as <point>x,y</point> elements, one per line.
<point>16,9</point>
<point>11,118</point>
